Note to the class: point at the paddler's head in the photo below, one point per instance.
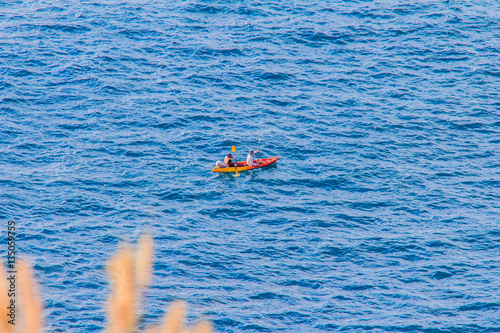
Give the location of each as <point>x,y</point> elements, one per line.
<point>229,155</point>
<point>251,152</point>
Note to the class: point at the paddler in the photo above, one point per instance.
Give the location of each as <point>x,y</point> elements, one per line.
<point>250,155</point>
<point>228,160</point>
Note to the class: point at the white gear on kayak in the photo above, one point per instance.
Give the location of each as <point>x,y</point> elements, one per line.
<point>220,164</point>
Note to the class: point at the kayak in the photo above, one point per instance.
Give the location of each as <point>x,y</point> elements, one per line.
<point>263,162</point>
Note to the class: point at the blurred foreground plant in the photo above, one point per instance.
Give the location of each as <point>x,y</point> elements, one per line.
<point>129,272</point>
<point>28,301</point>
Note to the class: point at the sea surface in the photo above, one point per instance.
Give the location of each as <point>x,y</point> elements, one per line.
<point>381,215</point>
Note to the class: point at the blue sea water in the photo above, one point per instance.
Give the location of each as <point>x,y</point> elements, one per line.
<point>381,215</point>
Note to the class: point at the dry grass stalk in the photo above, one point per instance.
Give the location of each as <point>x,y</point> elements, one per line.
<point>122,315</point>
<point>174,319</point>
<point>29,301</point>
<point>174,322</point>
<point>4,303</point>
<point>127,279</point>
<point>203,327</point>
<point>144,260</point>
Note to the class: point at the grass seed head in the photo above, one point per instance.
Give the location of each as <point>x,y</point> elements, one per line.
<point>122,317</point>
<point>29,300</point>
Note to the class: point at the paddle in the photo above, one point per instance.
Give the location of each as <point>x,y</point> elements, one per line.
<point>258,154</point>
<point>233,148</point>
